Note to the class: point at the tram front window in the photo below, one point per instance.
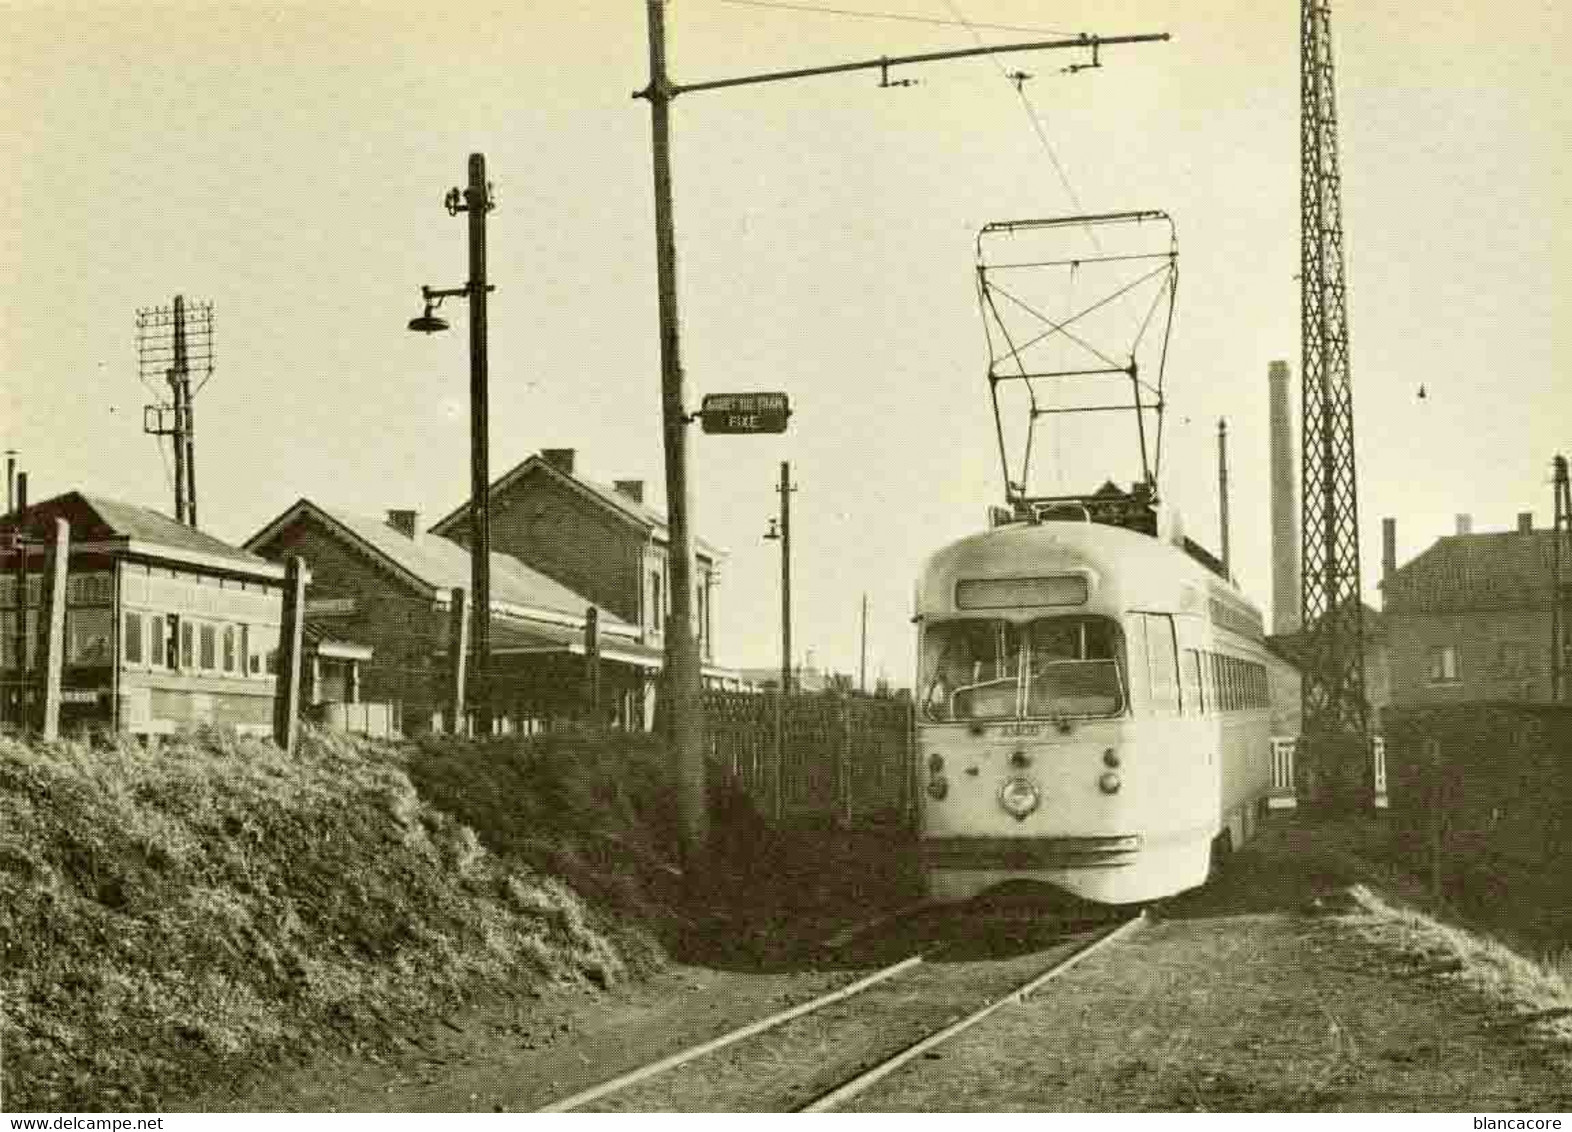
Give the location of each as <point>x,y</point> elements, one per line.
<point>992,669</point>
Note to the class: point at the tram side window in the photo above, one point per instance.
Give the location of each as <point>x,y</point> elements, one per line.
<point>1163,662</point>
<point>1194,702</point>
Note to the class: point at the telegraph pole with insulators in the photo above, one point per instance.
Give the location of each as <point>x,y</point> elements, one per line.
<point>171,343</point>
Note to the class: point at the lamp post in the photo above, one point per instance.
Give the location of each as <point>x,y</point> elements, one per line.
<point>782,534</point>
<point>475,199</point>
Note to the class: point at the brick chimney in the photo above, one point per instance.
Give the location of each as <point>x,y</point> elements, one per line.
<point>1388,548</point>
<point>406,523</point>
<point>633,489</point>
<point>1525,522</point>
<point>1285,505</point>
<point>559,458</point>
<point>1465,524</point>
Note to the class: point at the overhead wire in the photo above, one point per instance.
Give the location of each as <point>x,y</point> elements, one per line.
<point>902,18</point>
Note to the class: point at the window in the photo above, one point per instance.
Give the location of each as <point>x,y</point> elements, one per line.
<point>248,664</point>
<point>229,648</point>
<point>131,639</point>
<point>1163,662</point>
<point>87,636</point>
<point>1192,682</point>
<point>992,669</point>
<point>1443,665</point>
<point>157,642</point>
<point>657,619</point>
<point>187,645</point>
<point>209,642</point>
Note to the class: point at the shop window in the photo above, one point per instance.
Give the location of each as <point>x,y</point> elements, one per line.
<point>131,639</point>
<point>209,648</point>
<point>187,645</point>
<point>229,648</point>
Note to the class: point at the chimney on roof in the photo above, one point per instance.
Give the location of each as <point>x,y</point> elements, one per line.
<point>1465,524</point>
<point>1388,548</point>
<point>21,492</point>
<point>1525,522</point>
<point>633,489</point>
<point>559,458</point>
<point>406,523</point>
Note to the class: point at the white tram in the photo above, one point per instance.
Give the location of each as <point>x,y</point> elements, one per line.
<point>1091,712</point>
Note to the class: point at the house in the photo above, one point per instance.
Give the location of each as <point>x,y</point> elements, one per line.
<point>388,585</point>
<point>1289,658</point>
<point>165,626</point>
<point>601,541</point>
<point>1469,618</point>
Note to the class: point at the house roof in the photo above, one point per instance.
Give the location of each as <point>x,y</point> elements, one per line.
<point>624,506</point>
<point>1465,573</point>
<point>99,519</point>
<point>435,563</point>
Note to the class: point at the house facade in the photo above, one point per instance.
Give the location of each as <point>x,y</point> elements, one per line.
<point>166,627</point>
<point>602,541</point>
<point>1469,618</point>
<point>389,586</point>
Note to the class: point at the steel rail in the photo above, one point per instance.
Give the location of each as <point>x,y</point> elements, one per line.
<point>865,1080</point>
<point>616,1084</point>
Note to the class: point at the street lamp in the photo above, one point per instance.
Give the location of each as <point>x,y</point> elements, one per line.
<point>476,200</point>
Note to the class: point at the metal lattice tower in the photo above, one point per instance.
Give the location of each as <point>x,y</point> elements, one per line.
<point>1333,687</point>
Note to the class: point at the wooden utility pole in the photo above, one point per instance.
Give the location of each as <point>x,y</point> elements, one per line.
<point>1222,492</point>
<point>477,203</point>
<point>54,658</point>
<point>458,658</point>
<point>682,675</point>
<point>786,489</point>
<point>862,652</point>
<point>286,696</point>
<point>682,683</point>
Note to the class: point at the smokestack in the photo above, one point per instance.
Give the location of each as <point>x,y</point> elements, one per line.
<point>1388,548</point>
<point>1222,490</point>
<point>21,491</point>
<point>1465,524</point>
<point>1285,507</point>
<point>406,523</point>
<point>10,481</point>
<point>1525,522</point>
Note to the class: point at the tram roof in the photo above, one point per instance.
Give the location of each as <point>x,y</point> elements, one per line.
<point>1126,569</point>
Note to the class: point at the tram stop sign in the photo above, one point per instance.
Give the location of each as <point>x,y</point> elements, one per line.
<point>743,413</point>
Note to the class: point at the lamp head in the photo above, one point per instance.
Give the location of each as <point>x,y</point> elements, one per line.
<point>428,323</point>
<point>774,532</point>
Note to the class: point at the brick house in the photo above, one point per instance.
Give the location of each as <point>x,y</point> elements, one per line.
<point>601,541</point>
<point>166,627</point>
<point>1285,681</point>
<point>389,585</point>
<point>1469,618</point>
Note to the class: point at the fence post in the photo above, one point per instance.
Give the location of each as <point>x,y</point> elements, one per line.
<point>1436,800</point>
<point>286,696</point>
<point>592,665</point>
<point>777,790</point>
<point>843,755</point>
<point>54,657</point>
<point>458,659</point>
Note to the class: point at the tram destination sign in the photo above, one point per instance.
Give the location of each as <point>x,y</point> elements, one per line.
<point>744,413</point>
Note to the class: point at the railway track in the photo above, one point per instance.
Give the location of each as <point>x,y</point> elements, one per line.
<point>820,1054</point>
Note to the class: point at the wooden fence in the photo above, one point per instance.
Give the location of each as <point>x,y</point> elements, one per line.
<point>844,760</point>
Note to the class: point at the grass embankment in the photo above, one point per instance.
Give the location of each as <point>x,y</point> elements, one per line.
<point>176,914</point>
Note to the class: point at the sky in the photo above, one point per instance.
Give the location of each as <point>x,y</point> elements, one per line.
<point>287,163</point>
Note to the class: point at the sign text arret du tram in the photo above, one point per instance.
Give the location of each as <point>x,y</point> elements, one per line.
<point>744,413</point>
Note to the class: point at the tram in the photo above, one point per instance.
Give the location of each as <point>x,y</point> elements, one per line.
<point>1092,712</point>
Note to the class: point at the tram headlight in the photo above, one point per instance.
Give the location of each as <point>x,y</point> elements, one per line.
<point>935,763</point>
<point>1110,758</point>
<point>1019,797</point>
<point>1108,783</point>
